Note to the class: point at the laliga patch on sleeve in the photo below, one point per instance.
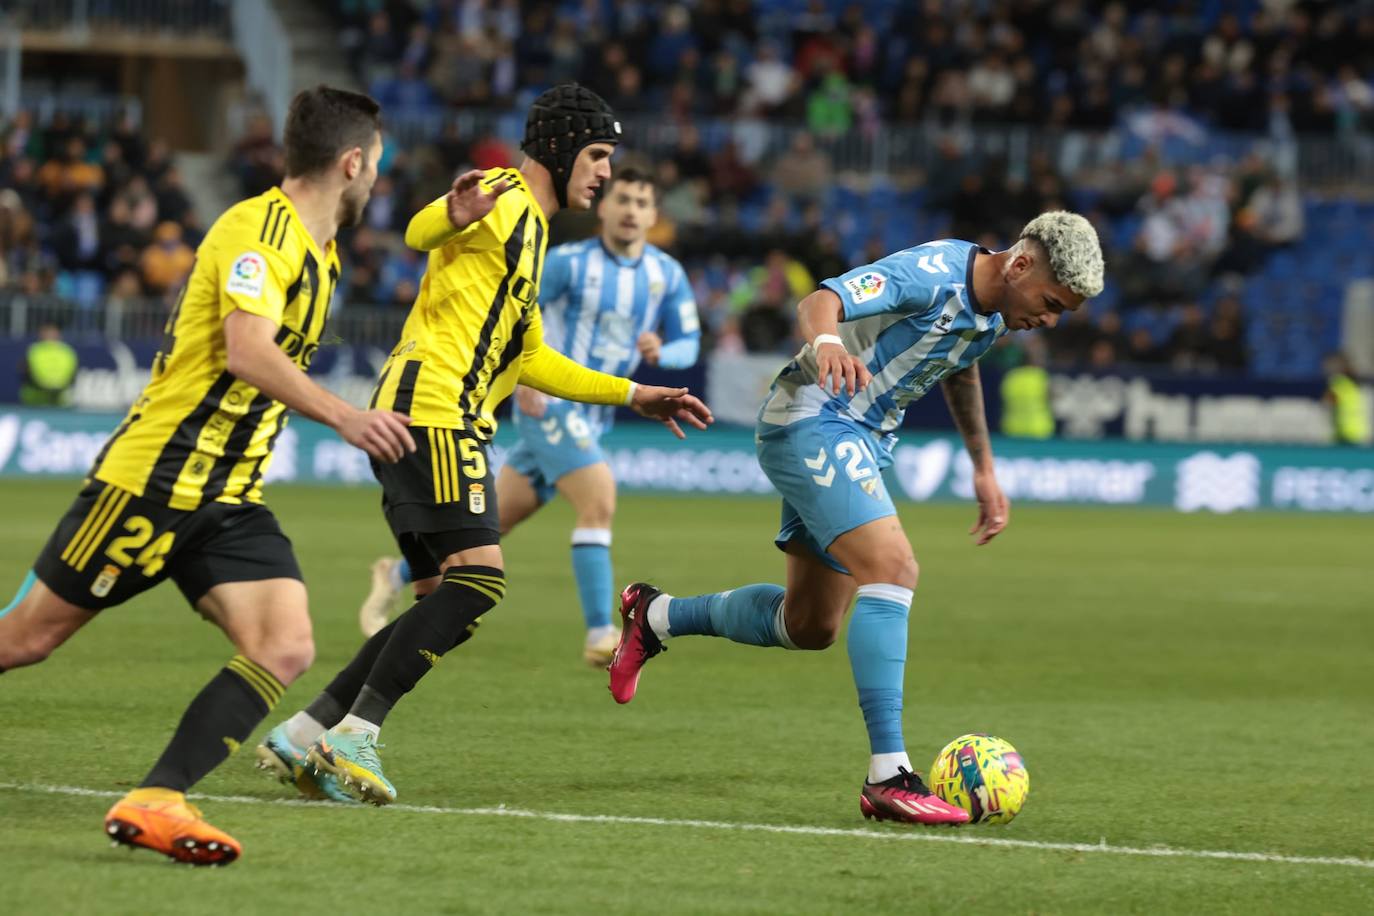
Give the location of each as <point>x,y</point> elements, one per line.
<point>865,286</point>
<point>247,275</point>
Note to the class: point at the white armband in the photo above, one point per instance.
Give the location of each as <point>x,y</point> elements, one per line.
<point>826,339</point>
<point>630,398</point>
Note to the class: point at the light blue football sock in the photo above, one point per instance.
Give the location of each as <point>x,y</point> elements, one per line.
<point>751,615</point>
<point>877,656</point>
<point>591,562</point>
<point>19,595</point>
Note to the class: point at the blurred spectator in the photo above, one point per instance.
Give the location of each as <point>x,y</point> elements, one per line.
<point>730,175</point>
<point>1227,331</point>
<point>830,107</point>
<point>77,241</point>
<point>1142,351</point>
<point>770,80</point>
<point>1026,396</point>
<point>1189,346</point>
<point>803,172</point>
<point>166,262</point>
<point>71,173</point>
<point>49,369</point>
<point>257,159</point>
<point>1349,412</point>
<point>1276,211</point>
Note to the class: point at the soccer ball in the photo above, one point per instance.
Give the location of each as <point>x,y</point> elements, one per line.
<point>983,775</point>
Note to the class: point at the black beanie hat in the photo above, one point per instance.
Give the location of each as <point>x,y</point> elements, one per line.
<point>561,122</point>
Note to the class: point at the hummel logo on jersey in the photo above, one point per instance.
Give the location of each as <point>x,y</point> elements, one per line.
<point>933,264</point>
<point>944,321</point>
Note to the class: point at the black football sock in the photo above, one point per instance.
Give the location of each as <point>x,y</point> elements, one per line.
<point>441,620</point>
<point>332,704</point>
<point>219,719</point>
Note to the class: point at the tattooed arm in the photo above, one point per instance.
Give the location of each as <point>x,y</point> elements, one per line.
<point>964,394</point>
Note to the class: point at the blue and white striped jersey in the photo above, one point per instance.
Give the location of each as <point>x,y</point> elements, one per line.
<point>596,304</point>
<point>912,317</point>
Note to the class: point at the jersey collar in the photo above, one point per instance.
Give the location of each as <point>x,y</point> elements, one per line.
<point>286,201</point>
<point>623,262</point>
<point>968,277</point>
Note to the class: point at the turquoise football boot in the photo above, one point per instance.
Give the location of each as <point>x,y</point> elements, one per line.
<point>284,760</point>
<point>350,756</point>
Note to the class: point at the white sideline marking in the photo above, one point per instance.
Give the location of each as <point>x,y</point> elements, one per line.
<point>1162,852</point>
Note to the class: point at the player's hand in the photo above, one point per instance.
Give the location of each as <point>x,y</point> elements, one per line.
<point>650,346</point>
<point>994,509</point>
<point>532,402</point>
<point>669,405</point>
<point>468,201</point>
<point>380,433</point>
<point>845,372</point>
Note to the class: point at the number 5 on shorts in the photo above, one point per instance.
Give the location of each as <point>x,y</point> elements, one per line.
<point>474,462</point>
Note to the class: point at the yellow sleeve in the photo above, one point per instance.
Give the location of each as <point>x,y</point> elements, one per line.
<point>430,228</point>
<point>544,368</point>
<point>252,276</point>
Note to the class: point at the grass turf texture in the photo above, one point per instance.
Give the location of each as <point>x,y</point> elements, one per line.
<point>1196,681</point>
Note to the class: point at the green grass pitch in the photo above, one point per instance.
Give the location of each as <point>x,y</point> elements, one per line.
<point>1183,681</point>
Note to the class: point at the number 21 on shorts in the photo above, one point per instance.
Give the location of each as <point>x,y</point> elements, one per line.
<point>850,454</point>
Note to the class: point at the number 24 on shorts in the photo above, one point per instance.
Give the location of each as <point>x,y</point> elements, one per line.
<point>139,531</point>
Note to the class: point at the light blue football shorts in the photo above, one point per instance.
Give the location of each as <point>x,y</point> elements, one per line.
<point>829,472</point>
<point>551,446</point>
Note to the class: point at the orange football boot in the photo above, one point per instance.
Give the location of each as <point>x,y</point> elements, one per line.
<point>162,820</point>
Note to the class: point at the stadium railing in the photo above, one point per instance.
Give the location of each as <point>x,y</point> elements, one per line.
<point>894,149</point>
<point>21,315</point>
<point>209,17</point>
<point>91,107</point>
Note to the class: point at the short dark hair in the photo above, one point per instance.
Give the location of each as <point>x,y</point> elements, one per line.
<point>632,175</point>
<point>323,123</point>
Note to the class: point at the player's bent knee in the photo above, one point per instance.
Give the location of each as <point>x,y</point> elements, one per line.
<point>814,635</point>
<point>899,568</point>
<point>22,653</point>
<point>598,516</point>
<point>287,656</point>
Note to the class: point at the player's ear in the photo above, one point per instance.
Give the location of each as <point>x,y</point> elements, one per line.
<point>352,162</point>
<point>1022,264</point>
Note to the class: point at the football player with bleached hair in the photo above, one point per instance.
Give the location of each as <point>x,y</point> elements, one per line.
<point>881,336</point>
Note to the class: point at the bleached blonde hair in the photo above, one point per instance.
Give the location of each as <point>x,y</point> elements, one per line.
<point>1075,254</point>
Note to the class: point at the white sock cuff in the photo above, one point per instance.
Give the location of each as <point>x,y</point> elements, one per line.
<point>582,537</point>
<point>884,592</point>
<point>780,626</point>
<point>657,615</point>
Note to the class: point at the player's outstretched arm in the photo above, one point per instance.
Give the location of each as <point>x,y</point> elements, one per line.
<point>254,357</point>
<point>963,392</point>
<point>819,316</point>
<point>551,372</point>
<point>669,406</point>
<point>466,202</point>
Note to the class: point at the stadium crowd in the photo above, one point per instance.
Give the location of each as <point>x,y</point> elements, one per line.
<point>89,212</point>
<point>757,228</point>
<point>1235,64</point>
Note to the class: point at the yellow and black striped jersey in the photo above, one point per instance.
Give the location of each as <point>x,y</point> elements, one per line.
<point>475,328</point>
<point>197,433</point>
